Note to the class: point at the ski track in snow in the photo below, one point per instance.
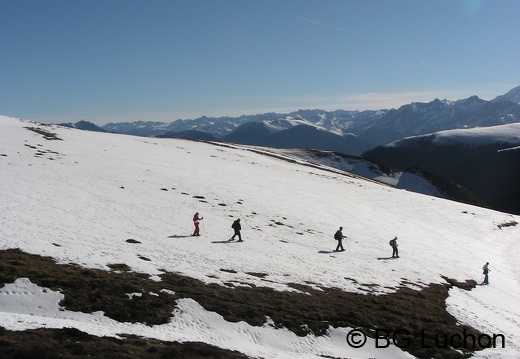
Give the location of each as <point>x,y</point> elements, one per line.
<point>81,198</point>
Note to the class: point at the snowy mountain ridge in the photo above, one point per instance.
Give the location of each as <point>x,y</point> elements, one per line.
<point>512,96</point>
<point>507,134</point>
<point>76,198</point>
<point>378,127</point>
<point>472,158</point>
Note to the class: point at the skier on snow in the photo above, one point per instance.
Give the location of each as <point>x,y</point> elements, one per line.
<point>196,221</point>
<point>339,237</point>
<point>237,227</point>
<point>395,252</point>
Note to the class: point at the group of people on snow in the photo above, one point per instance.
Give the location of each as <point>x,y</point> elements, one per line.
<point>339,248</point>
<point>236,226</point>
<point>338,236</point>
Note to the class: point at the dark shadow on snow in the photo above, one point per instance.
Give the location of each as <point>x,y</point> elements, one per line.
<point>385,258</point>
<point>226,241</point>
<point>178,236</point>
<point>327,252</point>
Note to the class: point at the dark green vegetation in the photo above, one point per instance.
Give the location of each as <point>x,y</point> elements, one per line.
<point>313,311</point>
<point>488,171</point>
<point>450,189</point>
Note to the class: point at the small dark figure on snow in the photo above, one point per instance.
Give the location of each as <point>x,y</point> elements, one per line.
<point>196,221</point>
<point>393,244</point>
<point>339,237</point>
<point>486,271</point>
<point>237,227</point>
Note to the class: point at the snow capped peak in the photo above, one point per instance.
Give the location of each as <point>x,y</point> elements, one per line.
<point>374,127</point>
<point>512,96</point>
<point>471,101</point>
<point>497,134</point>
<point>508,134</point>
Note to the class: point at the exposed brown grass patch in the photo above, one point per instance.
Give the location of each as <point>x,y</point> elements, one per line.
<point>72,343</point>
<point>507,224</point>
<point>46,134</point>
<point>313,311</point>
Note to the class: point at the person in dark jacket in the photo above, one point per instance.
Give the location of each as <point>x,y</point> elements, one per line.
<point>395,250</point>
<point>485,272</point>
<point>237,227</point>
<point>339,237</point>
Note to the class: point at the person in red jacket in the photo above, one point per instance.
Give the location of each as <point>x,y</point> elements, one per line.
<point>196,221</point>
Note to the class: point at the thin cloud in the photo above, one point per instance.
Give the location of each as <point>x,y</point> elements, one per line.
<point>373,100</point>
<point>325,25</point>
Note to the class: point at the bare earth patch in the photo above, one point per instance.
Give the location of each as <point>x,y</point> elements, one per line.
<point>46,134</point>
<point>309,311</point>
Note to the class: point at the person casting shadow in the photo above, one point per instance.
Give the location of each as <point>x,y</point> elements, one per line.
<point>395,250</point>
<point>196,221</point>
<point>339,237</point>
<point>237,227</point>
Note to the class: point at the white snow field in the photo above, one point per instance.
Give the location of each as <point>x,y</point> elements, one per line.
<point>509,133</point>
<point>78,200</point>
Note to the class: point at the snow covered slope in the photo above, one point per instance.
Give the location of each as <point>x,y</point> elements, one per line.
<point>78,197</point>
<point>507,134</point>
<point>362,167</point>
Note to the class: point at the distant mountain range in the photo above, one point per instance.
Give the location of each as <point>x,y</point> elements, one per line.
<point>407,139</point>
<point>352,132</point>
<point>84,125</point>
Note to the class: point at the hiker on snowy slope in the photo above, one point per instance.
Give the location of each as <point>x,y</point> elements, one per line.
<point>237,227</point>
<point>339,237</point>
<point>486,271</point>
<point>196,221</point>
<point>395,251</point>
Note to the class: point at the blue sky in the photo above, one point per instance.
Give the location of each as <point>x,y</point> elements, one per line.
<point>127,60</point>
